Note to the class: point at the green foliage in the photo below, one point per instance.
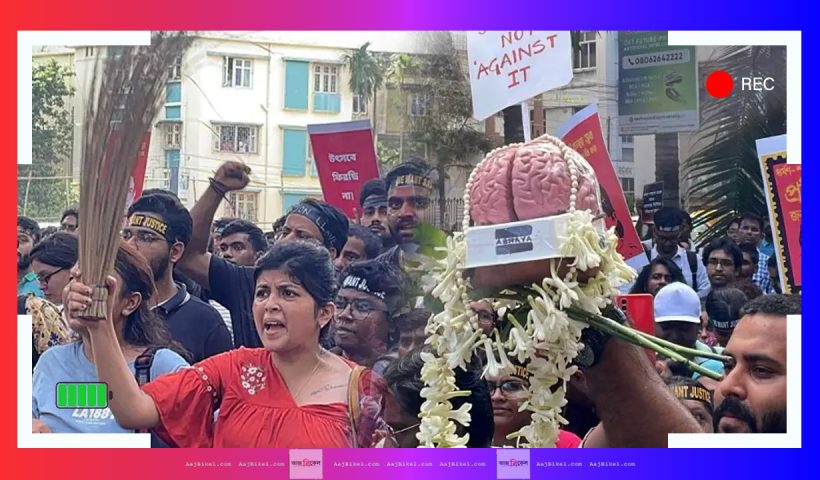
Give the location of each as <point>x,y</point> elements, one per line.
<point>388,156</point>
<point>52,140</point>
<point>366,72</point>
<point>724,170</point>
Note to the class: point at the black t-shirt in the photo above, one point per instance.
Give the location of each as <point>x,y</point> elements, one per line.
<point>195,324</point>
<point>232,287</point>
<point>193,288</point>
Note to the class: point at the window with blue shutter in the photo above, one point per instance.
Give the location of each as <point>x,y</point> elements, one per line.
<point>173,92</point>
<point>294,155</point>
<point>290,199</point>
<point>173,113</point>
<point>296,85</point>
<point>326,97</point>
<point>172,164</point>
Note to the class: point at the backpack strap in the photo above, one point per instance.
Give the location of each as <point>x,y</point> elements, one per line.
<point>142,365</point>
<point>693,267</point>
<point>353,406</point>
<point>142,369</point>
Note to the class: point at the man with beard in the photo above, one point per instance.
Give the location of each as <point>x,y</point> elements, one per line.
<point>373,200</point>
<point>28,234</point>
<point>159,227</point>
<point>752,396</point>
<point>409,188</point>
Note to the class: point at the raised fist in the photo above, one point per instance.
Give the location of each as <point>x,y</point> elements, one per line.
<point>233,176</point>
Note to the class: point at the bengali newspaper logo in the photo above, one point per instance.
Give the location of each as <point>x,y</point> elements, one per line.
<point>305,464</point>
<point>513,464</point>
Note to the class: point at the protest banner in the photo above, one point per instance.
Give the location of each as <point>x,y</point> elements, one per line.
<point>583,133</point>
<point>345,160</point>
<point>783,184</point>
<point>652,201</point>
<point>510,67</point>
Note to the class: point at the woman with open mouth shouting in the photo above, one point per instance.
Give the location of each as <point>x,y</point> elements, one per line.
<point>289,394</point>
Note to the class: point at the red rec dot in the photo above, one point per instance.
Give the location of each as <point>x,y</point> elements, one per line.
<point>719,84</point>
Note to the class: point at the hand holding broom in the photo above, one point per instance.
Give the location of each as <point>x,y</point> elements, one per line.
<point>77,298</point>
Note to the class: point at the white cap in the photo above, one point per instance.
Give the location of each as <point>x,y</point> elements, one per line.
<point>677,302</point>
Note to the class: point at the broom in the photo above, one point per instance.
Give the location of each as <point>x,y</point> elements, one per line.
<point>125,91</point>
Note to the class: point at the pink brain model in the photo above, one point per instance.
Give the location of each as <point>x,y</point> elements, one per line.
<point>522,182</point>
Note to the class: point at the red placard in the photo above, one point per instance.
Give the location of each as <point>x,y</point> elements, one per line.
<point>789,185</point>
<point>138,174</point>
<point>583,133</point>
<point>784,186</point>
<point>345,160</point>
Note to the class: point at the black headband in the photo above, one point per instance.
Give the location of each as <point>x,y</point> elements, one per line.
<point>154,224</point>
<point>375,201</point>
<point>360,284</point>
<point>331,232</point>
<point>414,181</point>
<point>693,392</point>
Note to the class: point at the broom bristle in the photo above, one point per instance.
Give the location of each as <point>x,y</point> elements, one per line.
<point>125,92</point>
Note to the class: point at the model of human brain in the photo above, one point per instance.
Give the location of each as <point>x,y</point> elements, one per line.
<point>533,180</point>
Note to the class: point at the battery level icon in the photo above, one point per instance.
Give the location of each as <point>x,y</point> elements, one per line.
<point>85,395</point>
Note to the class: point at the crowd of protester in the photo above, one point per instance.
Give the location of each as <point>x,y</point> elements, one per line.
<point>311,334</point>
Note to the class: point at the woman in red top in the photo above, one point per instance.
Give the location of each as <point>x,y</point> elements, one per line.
<point>289,394</point>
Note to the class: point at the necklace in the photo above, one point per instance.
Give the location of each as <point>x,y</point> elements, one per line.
<point>304,384</point>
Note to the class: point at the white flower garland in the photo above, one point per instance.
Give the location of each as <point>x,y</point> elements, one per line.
<point>548,340</point>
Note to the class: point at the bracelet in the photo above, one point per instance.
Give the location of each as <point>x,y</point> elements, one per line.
<point>218,187</point>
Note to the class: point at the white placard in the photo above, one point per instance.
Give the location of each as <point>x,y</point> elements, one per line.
<point>513,66</point>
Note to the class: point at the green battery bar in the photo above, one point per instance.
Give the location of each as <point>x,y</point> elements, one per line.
<point>85,395</point>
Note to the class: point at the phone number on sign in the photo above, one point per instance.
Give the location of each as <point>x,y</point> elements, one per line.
<point>656,59</point>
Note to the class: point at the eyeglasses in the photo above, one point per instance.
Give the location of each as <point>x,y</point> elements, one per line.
<point>363,307</point>
<point>723,262</point>
<point>507,387</point>
<point>67,227</point>
<point>145,238</point>
<point>419,203</point>
<point>485,316</point>
<point>45,279</point>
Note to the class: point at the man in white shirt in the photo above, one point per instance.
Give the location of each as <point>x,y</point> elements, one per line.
<point>669,222</point>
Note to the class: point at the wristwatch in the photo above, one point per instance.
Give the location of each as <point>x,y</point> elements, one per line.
<point>595,340</point>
